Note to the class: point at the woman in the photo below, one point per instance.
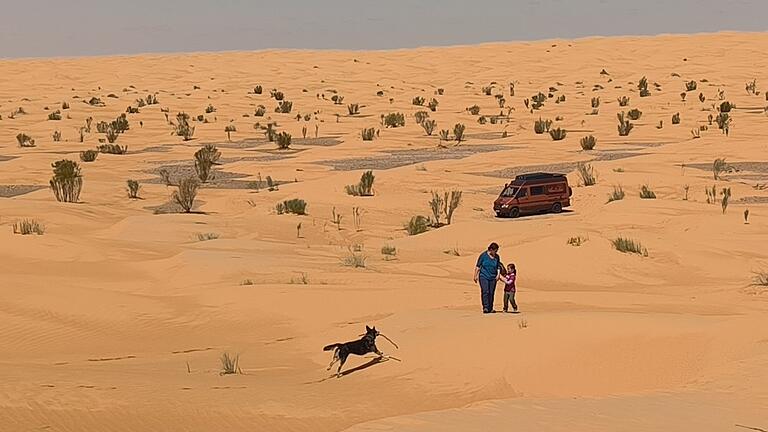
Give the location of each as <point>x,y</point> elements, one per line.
<point>486,273</point>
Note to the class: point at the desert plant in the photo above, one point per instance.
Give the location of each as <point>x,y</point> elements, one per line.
<point>433,104</point>
<point>364,187</point>
<point>182,127</point>
<point>133,189</point>
<point>283,140</point>
<point>418,100</point>
<point>353,109</point>
<point>65,105</point>
<point>625,126</point>
<point>368,134</point>
<point>746,216</point>
<point>67,182</point>
<point>726,107</point>
<point>28,226</point>
<point>394,120</point>
<point>292,206</point>
<point>336,218</point>
<point>623,101</point>
<point>132,110</point>
<point>337,99</point>
<point>113,149</point>
<point>210,109</point>
<point>25,140</point>
<point>617,194</point>
<point>587,174</point>
<point>711,194</point>
<point>205,158</point>
<point>94,101</point>
<point>751,87</point>
<point>436,204</point>
<point>538,100</point>
<point>596,102</point>
<point>676,118</point>
<point>634,114</point>
<point>557,134</point>
<point>56,136</point>
<point>230,364</point>
<point>626,245</point>
<point>88,155</point>
<point>642,85</point>
<point>420,116</point>
<point>690,85</point>
<point>388,251</point>
<point>354,259</point>
<point>474,110</point>
<point>452,202</point>
<point>186,193</point>
<point>576,241</point>
<point>284,107</point>
<point>646,192</point>
<point>56,115</point>
<point>445,134</point>
<point>229,129</point>
<point>726,196</point>
<point>417,225</point>
<point>720,166</point>
<point>588,142</point>
<point>723,120</point>
<point>260,111</point>
<point>357,218</point>
<point>458,132</point>
<point>111,134</point>
<point>258,89</point>
<point>540,126</point>
<point>429,126</point>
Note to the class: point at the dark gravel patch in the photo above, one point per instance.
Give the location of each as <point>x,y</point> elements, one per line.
<point>172,207</point>
<point>756,167</point>
<point>155,149</point>
<point>753,200</point>
<point>263,142</point>
<point>10,191</point>
<point>561,167</point>
<point>222,179</point>
<point>485,135</point>
<point>400,158</point>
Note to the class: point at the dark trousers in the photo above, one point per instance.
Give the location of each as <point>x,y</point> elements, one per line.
<point>487,290</point>
<point>509,297</point>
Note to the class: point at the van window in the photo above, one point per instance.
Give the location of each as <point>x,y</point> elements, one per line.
<point>537,190</point>
<point>510,191</point>
<point>523,192</point>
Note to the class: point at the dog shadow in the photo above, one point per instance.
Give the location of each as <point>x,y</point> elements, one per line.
<point>373,362</point>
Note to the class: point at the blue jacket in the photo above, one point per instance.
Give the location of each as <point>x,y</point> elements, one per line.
<point>489,267</point>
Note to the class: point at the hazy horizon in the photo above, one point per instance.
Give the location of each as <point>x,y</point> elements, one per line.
<point>45,28</point>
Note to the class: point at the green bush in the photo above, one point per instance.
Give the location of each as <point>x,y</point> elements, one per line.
<point>458,132</point>
<point>283,140</point>
<point>292,206</point>
<point>67,182</point>
<point>133,189</point>
<point>284,107</point>
<point>588,142</point>
<point>88,155</point>
<point>205,159</point>
<point>394,120</point>
<point>420,116</point>
<point>540,126</point>
<point>417,225</point>
<point>186,193</point>
<point>557,134</point>
<point>634,114</point>
<point>429,126</point>
<point>182,126</point>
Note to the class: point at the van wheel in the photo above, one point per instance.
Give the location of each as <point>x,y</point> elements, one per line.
<point>557,207</point>
<point>515,212</point>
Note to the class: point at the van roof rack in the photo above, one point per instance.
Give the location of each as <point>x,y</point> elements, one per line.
<point>538,176</point>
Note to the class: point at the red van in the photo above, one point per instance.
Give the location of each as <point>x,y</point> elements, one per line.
<point>533,193</point>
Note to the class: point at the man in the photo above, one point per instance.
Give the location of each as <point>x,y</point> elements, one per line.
<point>486,273</point>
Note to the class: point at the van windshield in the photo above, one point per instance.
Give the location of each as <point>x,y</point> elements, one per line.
<point>510,191</point>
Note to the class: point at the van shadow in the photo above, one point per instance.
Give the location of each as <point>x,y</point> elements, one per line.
<point>535,215</point>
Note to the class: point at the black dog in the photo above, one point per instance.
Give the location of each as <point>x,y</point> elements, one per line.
<point>363,346</point>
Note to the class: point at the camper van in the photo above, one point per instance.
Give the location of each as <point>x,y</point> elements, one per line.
<point>533,193</point>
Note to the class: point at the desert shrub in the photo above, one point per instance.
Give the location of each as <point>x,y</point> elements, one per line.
<point>28,226</point>
<point>284,107</point>
<point>258,89</point>
<point>368,134</point>
<point>229,129</point>
<point>482,120</point>
<point>65,105</point>
<point>723,120</point>
<point>540,126</point>
<point>260,111</point>
<point>458,131</point>
<point>617,194</point>
<point>623,101</point>
<point>56,136</point>
<point>388,251</point>
<point>557,134</point>
<point>67,182</point>
<point>152,99</point>
<point>588,142</point>
<point>452,201</point>
<point>720,166</point>
<point>420,116</point>
<point>587,174</point>
<point>132,110</point>
<point>751,87</point>
<point>626,245</point>
<point>292,206</point>
<point>94,101</point>
<point>182,127</point>
<point>642,85</point>
<point>429,126</point>
<point>690,85</point>
<point>417,225</point>
<point>210,109</point>
<point>113,149</point>
<point>445,134</point>
<point>433,104</point>
<point>25,140</point>
<point>120,124</point>
<point>418,100</point>
<point>56,115</point>
<point>647,193</point>
<point>354,259</point>
<point>140,103</point>
<point>726,196</point>
<point>394,120</point>
<point>474,110</point>
<point>337,99</point>
<point>205,159</point>
<point>111,134</point>
<point>538,100</point>
<point>353,109</point>
<point>726,107</point>
<point>625,126</point>
<point>283,140</point>
<point>186,193</point>
<point>207,236</point>
<point>577,241</point>
<point>596,102</point>
<point>88,155</point>
<point>676,118</point>
<point>133,189</point>
<point>364,187</point>
<point>230,364</point>
<point>634,114</point>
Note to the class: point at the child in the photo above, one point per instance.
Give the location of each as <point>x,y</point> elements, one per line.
<point>509,288</point>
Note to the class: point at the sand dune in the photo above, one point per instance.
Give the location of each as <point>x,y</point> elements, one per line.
<point>115,318</point>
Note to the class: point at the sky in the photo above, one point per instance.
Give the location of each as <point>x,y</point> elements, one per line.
<point>56,28</point>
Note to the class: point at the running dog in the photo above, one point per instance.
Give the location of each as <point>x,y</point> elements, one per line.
<point>366,344</point>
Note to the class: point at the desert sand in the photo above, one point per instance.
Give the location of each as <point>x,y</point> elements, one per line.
<point>116,317</point>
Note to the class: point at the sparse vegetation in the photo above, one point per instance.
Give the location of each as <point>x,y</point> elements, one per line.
<point>88,155</point>
<point>364,187</point>
<point>588,142</point>
<point>353,109</point>
<point>720,166</point>
<point>474,110</point>
<point>676,118</point>
<point>540,126</point>
<point>56,136</point>
<point>429,126</point>
<point>283,140</point>
<point>182,126</point>
<point>284,107</point>
<point>626,245</point>
<point>577,241</point>
<point>420,116</point>
<point>229,129</point>
<point>458,132</point>
<point>260,111</point>
<point>418,100</point>
<point>28,226</point>
<point>56,115</point>
<point>292,206</point>
<point>388,251</point>
<point>723,120</point>
<point>726,197</point>
<point>586,174</point>
<point>625,126</point>
<point>623,101</point>
<point>634,114</point>
<point>205,159</point>
<point>354,259</point>
<point>186,193</point>
<point>207,236</point>
<point>690,85</point>
<point>133,189</point>
<point>67,182</point>
<point>557,134</point>
<point>417,225</point>
<point>433,103</point>
<point>646,192</point>
<point>642,85</point>
<point>617,194</point>
<point>596,102</point>
<point>368,134</point>
<point>230,364</point>
<point>393,120</point>
<point>25,140</point>
<point>726,107</point>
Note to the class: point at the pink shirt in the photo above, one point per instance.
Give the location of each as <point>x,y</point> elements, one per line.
<point>509,281</point>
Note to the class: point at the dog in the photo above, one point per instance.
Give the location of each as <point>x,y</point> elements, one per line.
<point>363,346</point>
